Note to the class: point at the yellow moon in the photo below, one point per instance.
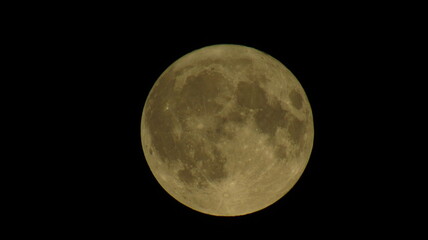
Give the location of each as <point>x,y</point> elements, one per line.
<point>227,130</point>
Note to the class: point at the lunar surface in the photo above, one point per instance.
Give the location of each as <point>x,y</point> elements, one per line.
<point>227,130</point>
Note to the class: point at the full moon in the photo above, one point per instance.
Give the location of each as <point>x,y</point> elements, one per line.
<point>227,130</point>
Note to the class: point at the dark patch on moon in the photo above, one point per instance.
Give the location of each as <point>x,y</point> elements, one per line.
<point>186,176</point>
<point>198,93</point>
<point>269,118</point>
<point>219,130</point>
<point>235,116</point>
<point>280,152</point>
<point>296,128</point>
<point>250,95</point>
<point>156,116</point>
<point>196,98</point>
<point>296,99</point>
<point>214,167</point>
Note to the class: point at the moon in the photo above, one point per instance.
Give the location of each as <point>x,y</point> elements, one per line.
<point>227,130</point>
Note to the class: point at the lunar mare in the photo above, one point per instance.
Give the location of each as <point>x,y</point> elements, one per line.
<point>227,130</point>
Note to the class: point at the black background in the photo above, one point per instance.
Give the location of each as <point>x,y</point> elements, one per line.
<point>99,65</point>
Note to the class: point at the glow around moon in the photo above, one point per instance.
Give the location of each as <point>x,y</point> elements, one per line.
<point>227,130</point>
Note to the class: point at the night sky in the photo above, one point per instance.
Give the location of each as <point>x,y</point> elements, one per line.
<point>104,65</point>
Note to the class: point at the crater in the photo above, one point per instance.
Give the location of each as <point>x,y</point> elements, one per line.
<point>296,99</point>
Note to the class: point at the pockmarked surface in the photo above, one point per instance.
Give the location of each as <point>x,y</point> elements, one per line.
<point>227,130</point>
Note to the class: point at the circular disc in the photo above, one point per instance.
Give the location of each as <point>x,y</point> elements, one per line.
<point>227,130</point>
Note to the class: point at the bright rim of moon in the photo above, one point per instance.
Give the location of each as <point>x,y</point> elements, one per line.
<point>227,130</point>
